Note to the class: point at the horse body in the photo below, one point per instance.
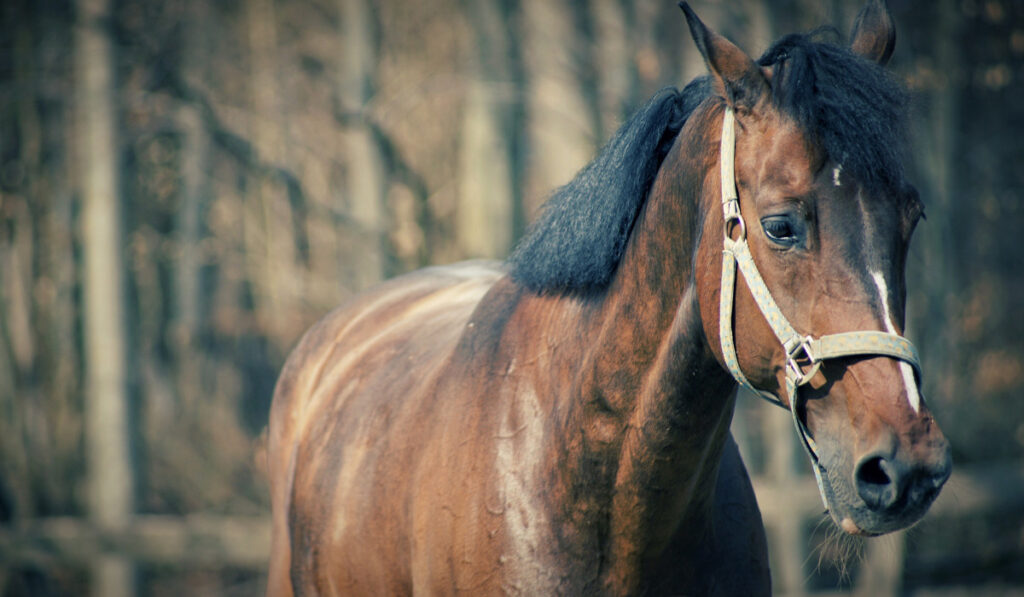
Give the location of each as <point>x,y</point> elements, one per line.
<point>560,424</point>
<point>500,458</point>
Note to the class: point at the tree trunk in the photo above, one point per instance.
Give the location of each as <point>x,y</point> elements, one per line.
<point>188,312</point>
<point>110,491</point>
<point>561,136</point>
<point>937,246</point>
<point>488,188</point>
<point>614,53</point>
<point>269,233</point>
<point>788,539</point>
<point>366,169</point>
<point>195,175</point>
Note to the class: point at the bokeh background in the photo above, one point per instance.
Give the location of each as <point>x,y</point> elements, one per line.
<point>186,185</point>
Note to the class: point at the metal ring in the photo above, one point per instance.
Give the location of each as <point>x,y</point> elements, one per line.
<point>735,220</point>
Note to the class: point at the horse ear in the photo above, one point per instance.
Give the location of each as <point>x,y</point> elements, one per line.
<point>737,77</point>
<point>874,34</point>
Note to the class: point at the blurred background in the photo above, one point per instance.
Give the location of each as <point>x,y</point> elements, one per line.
<point>185,186</point>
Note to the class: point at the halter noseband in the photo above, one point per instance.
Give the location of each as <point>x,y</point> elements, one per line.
<point>804,354</point>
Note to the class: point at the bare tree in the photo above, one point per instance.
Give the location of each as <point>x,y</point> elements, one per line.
<point>488,181</point>
<point>561,135</point>
<point>110,483</point>
<point>366,168</point>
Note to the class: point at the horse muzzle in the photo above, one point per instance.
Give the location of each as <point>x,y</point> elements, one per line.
<point>888,487</point>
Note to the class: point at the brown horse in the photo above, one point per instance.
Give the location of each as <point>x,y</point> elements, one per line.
<point>559,424</point>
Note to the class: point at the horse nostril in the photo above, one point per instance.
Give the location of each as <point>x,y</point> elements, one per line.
<point>871,472</point>
<point>876,482</point>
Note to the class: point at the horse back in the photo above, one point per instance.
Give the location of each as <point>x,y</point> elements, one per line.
<point>349,404</point>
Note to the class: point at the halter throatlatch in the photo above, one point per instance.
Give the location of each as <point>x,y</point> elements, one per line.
<point>804,354</point>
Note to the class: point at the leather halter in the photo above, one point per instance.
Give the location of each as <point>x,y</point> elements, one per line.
<point>804,354</point>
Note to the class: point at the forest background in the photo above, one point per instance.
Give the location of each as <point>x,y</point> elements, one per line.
<point>185,186</point>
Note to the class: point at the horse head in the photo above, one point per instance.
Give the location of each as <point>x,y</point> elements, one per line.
<point>824,216</point>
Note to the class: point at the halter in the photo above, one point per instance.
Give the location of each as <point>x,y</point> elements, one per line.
<point>804,354</point>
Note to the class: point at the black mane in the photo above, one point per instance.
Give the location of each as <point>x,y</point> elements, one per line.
<point>850,106</point>
<point>577,242</point>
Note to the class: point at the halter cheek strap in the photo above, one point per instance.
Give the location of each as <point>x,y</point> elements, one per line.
<point>804,354</point>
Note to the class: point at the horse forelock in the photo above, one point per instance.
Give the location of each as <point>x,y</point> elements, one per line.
<point>577,242</point>
<point>854,109</point>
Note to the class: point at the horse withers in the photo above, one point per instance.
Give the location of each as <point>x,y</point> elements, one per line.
<point>559,423</point>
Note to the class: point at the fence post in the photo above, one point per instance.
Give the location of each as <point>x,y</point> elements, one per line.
<point>881,572</point>
<point>790,544</point>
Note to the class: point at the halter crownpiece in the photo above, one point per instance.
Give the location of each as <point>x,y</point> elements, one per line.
<point>804,354</point>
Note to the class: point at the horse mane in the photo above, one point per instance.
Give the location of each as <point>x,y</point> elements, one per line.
<point>578,240</point>
<point>853,108</point>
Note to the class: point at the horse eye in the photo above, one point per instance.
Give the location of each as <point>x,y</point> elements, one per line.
<point>781,230</point>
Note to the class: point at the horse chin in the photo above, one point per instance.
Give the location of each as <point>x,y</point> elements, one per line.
<point>866,523</point>
<point>855,517</point>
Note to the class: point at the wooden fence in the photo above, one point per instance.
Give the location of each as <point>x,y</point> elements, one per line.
<point>786,493</point>
<point>243,542</point>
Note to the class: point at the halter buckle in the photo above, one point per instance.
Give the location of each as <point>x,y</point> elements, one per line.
<point>799,350</point>
<point>733,218</point>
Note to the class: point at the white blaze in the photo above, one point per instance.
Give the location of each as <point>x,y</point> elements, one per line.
<point>908,373</point>
<point>835,175</point>
<point>913,396</point>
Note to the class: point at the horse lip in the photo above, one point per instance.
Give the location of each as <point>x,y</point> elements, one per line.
<point>860,519</point>
<point>849,526</point>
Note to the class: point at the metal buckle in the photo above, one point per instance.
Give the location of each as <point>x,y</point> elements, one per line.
<point>731,209</point>
<point>797,349</point>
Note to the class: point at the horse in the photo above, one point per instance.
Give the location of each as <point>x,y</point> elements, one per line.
<point>558,423</point>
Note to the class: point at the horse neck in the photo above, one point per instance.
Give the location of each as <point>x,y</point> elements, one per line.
<point>657,405</point>
<point>647,339</point>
